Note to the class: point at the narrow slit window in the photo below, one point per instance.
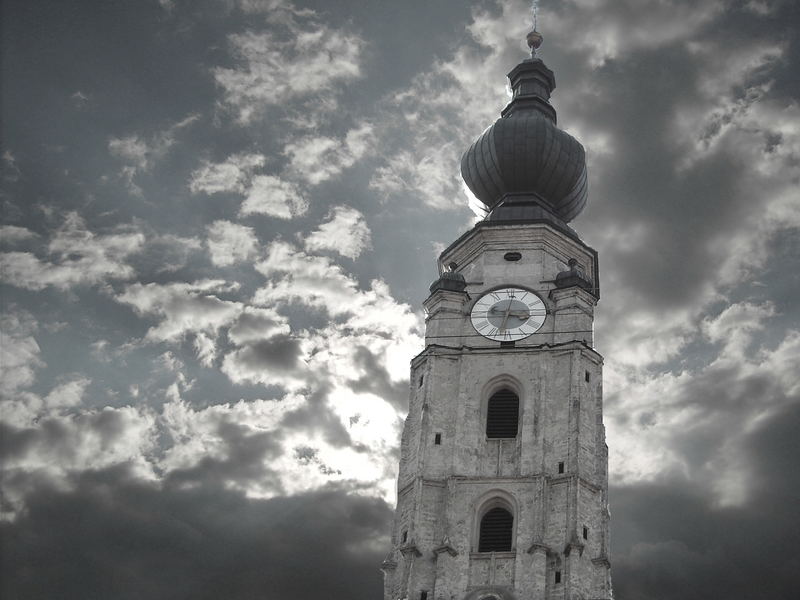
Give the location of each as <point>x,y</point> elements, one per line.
<point>558,576</point>
<point>587,376</point>
<point>561,467</point>
<point>437,439</point>
<point>405,537</point>
<point>421,379</point>
<point>502,415</point>
<point>496,531</point>
<point>586,533</point>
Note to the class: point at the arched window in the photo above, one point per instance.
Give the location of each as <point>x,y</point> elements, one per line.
<point>502,415</point>
<point>497,526</point>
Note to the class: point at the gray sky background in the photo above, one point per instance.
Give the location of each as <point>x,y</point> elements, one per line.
<point>220,218</point>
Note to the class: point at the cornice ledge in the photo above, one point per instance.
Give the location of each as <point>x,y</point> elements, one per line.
<point>388,565</point>
<point>573,545</point>
<point>410,549</point>
<point>602,561</point>
<point>539,547</point>
<point>445,547</point>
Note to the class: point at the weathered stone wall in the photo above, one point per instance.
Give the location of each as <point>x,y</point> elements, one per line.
<point>557,376</point>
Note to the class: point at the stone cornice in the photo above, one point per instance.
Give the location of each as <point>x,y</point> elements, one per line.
<point>539,547</point>
<point>445,548</point>
<point>573,545</point>
<point>410,549</point>
<point>388,565</point>
<point>602,561</point>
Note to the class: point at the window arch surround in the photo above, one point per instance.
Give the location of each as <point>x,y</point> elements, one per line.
<point>492,387</point>
<point>487,502</point>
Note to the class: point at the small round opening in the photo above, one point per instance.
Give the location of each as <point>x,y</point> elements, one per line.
<point>512,256</point>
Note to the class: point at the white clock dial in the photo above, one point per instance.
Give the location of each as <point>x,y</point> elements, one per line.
<point>508,314</point>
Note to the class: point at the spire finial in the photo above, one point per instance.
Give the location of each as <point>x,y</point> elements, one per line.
<point>534,38</point>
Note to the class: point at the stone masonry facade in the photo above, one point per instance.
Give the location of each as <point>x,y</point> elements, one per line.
<point>552,477</point>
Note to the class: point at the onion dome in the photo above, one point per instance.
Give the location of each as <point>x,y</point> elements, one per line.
<point>523,166</point>
<point>574,276</point>
<point>450,280</point>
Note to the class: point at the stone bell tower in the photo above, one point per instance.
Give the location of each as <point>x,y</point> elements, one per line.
<point>502,489</point>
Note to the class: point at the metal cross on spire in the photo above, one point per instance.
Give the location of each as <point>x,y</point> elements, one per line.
<point>534,38</point>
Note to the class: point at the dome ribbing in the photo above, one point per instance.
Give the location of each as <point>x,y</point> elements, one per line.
<point>523,166</point>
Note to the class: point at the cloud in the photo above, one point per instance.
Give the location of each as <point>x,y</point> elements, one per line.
<point>271,361</point>
<point>19,351</point>
<point>67,395</point>
<point>272,196</point>
<point>255,324</point>
<point>674,537</point>
<point>346,232</point>
<point>467,87</point>
<point>56,445</point>
<point>229,243</point>
<point>182,308</point>
<point>617,29</point>
<point>312,160</point>
<point>430,174</point>
<point>316,282</point>
<point>307,59</point>
<point>310,280</point>
<point>206,529</point>
<point>230,445</point>
<point>76,256</point>
<point>11,172</point>
<point>231,175</point>
<point>315,159</point>
<point>10,234</point>
<point>141,153</point>
<point>134,150</point>
<point>167,253</point>
<point>690,422</point>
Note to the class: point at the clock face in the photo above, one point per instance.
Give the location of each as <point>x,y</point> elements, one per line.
<point>508,314</point>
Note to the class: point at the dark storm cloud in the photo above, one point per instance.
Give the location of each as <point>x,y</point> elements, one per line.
<point>280,352</point>
<point>376,380</point>
<point>62,436</point>
<point>316,416</point>
<point>671,540</point>
<point>640,97</point>
<point>111,536</point>
<point>242,461</point>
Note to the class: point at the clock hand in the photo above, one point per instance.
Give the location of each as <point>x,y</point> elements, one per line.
<point>505,317</point>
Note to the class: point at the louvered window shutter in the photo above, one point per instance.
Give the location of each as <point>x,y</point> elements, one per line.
<point>502,415</point>
<point>495,535</point>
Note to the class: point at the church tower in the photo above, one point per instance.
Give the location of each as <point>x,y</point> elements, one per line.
<point>502,488</point>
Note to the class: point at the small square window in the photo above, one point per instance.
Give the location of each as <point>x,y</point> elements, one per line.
<point>405,536</point>
<point>587,376</point>
<point>561,467</point>
<point>558,576</point>
<point>586,533</point>
<point>437,439</point>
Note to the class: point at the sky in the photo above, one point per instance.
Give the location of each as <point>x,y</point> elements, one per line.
<point>220,219</point>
